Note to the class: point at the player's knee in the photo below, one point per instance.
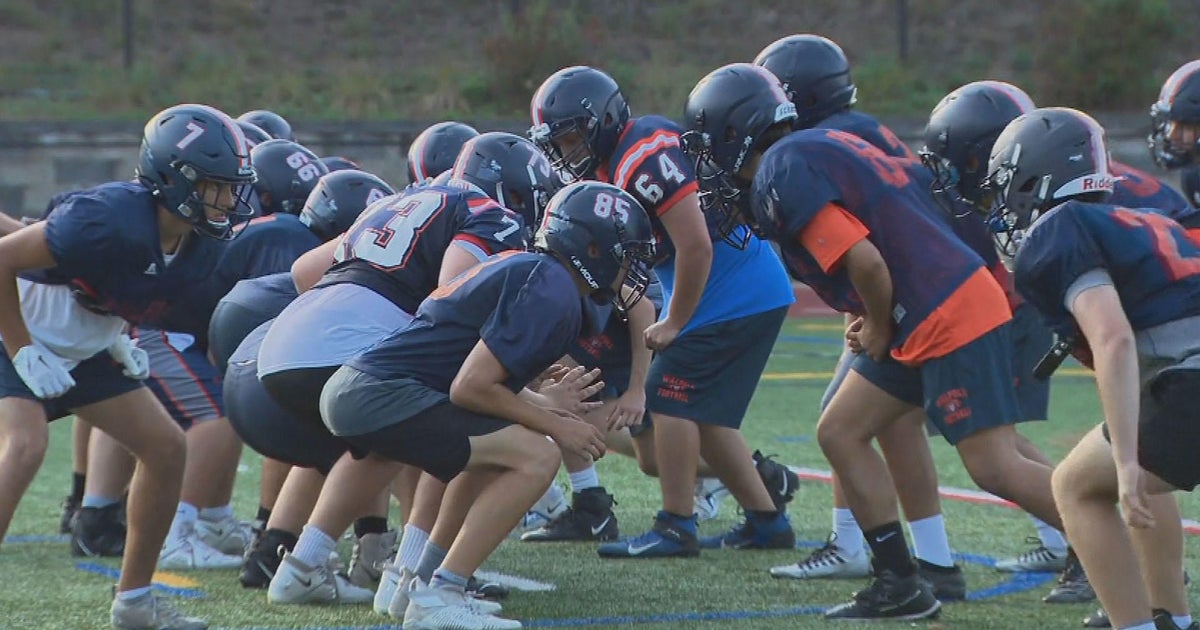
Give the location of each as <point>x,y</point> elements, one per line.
<point>989,478</point>
<point>168,454</point>
<point>648,465</point>
<point>832,436</point>
<point>541,459</point>
<point>27,446</point>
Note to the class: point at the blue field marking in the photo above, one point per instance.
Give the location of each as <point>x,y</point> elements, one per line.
<point>24,539</point>
<point>1015,583</point>
<point>100,569</point>
<point>835,341</point>
<point>793,439</point>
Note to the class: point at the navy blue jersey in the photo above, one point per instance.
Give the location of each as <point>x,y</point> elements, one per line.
<point>1138,189</point>
<point>810,170</point>
<point>649,163</point>
<point>397,245</point>
<point>1154,266</point>
<point>263,246</point>
<point>1189,180</point>
<point>869,129</point>
<point>106,245</point>
<point>524,306</point>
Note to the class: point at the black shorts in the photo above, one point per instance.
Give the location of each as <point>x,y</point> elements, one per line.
<point>298,391</point>
<point>1169,428</point>
<point>96,379</point>
<point>230,324</point>
<point>270,430</point>
<point>708,375</point>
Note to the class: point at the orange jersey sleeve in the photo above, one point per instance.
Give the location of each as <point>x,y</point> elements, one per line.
<point>830,234</point>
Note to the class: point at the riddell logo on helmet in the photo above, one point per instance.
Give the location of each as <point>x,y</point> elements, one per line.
<point>1097,183</point>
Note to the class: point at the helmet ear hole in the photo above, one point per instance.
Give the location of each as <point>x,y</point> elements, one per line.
<point>730,134</point>
<point>593,251</point>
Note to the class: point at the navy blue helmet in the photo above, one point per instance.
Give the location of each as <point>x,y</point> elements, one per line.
<point>579,100</point>
<point>337,200</point>
<point>275,125</point>
<point>815,74</point>
<point>287,173</point>
<point>435,149</point>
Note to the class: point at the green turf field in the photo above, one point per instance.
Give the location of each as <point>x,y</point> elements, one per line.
<point>45,589</point>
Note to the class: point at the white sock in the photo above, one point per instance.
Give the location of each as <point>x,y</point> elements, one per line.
<point>1149,625</point>
<point>584,479</point>
<point>313,547</point>
<point>135,593</point>
<point>217,513</point>
<point>930,542</point>
<point>1182,621</point>
<point>1051,538</point>
<point>182,526</point>
<point>412,543</point>
<point>849,534</point>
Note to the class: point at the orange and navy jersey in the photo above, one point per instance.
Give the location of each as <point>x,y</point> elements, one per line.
<point>824,191</point>
<point>396,246</point>
<point>649,163</point>
<point>1154,265</point>
<point>869,129</point>
<point>1139,189</point>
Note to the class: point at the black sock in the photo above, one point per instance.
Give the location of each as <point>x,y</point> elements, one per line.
<point>370,525</point>
<point>280,538</point>
<point>765,516</point>
<point>78,480</point>
<point>264,515</point>
<point>890,548</point>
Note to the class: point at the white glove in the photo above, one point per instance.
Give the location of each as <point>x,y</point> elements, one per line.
<point>135,360</point>
<point>42,371</point>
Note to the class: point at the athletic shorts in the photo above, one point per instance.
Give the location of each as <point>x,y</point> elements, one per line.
<point>186,383</point>
<point>1169,428</point>
<point>96,379</point>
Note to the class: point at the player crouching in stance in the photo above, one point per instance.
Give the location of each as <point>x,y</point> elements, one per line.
<point>1124,286</point>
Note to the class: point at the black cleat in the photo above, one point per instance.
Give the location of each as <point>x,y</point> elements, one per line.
<point>70,506</point>
<point>98,532</point>
<point>484,589</point>
<point>780,481</point>
<point>889,597</point>
<point>590,517</point>
<point>947,583</point>
<point>262,561</point>
<point>1073,586</point>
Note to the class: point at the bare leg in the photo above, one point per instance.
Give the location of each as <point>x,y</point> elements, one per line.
<point>23,440</point>
<point>214,450</point>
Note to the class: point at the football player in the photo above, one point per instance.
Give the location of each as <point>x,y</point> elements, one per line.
<point>98,261</point>
<point>435,149</point>
<point>726,301</point>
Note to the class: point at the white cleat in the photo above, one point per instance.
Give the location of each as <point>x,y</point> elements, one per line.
<point>298,583</point>
<point>828,562</point>
<point>371,554</point>
<point>190,552</point>
<point>1037,559</point>
<point>447,609</point>
<point>148,612</point>
<point>549,507</point>
<point>707,497</point>
<point>228,535</point>
<point>389,584</point>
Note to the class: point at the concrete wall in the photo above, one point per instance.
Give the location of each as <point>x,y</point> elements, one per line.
<point>39,160</point>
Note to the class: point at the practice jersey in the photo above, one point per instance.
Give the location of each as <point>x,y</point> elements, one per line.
<point>1154,266</point>
<point>263,246</point>
<point>866,127</point>
<point>397,245</point>
<point>826,190</point>
<point>1138,189</point>
<point>106,247</point>
<point>524,306</point>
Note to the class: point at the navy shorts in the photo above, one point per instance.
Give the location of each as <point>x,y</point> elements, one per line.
<point>230,324</point>
<point>1031,339</point>
<point>96,379</point>
<point>404,421</point>
<point>1169,428</point>
<point>963,393</point>
<point>272,432</point>
<point>184,381</point>
<point>298,391</point>
<point>708,375</point>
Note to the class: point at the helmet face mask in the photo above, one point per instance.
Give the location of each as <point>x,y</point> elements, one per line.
<point>1174,139</point>
<point>578,115</point>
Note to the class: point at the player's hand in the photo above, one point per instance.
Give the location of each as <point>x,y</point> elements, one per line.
<point>576,436</point>
<point>134,360</point>
<point>1131,484</point>
<point>572,388</point>
<point>875,340</point>
<point>42,371</point>
<point>629,409</point>
<point>660,335</point>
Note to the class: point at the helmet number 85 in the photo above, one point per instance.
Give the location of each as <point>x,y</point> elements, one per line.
<point>608,205</point>
<point>306,169</point>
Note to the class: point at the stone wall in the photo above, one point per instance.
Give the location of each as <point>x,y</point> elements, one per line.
<point>39,160</point>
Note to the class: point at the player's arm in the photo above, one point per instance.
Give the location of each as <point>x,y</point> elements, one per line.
<point>872,281</point>
<point>685,224</point>
<point>1102,321</point>
<point>480,386</point>
<point>308,268</point>
<point>459,257</point>
<point>22,250</point>
<point>8,225</point>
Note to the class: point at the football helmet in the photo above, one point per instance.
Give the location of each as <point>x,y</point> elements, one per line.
<point>254,134</point>
<point>1178,104</point>
<point>1190,182</point>
<point>509,169</point>
<point>339,163</point>
<point>287,173</point>
<point>600,232</point>
<point>275,125</point>
<point>960,133</point>
<point>434,150</point>
<point>185,145</point>
<point>1040,160</point>
<point>728,115</point>
<point>337,200</point>
<point>583,101</point>
<point>815,75</point>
